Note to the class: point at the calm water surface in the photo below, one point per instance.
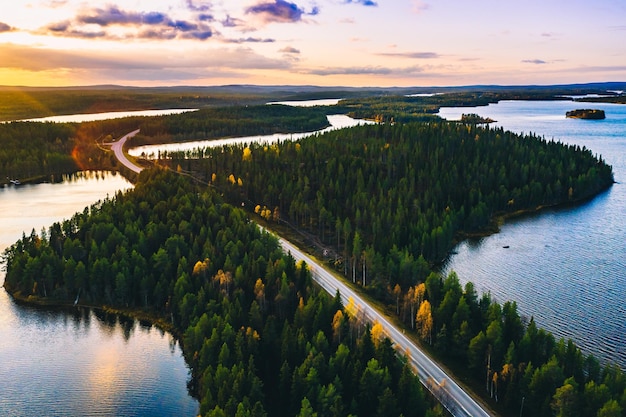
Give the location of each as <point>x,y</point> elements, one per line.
<point>565,267</point>
<point>75,363</point>
<point>337,121</point>
<point>90,117</point>
<point>309,103</point>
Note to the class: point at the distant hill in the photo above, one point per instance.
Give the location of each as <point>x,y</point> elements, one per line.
<point>581,88</point>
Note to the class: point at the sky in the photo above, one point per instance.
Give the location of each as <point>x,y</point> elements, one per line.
<point>361,43</point>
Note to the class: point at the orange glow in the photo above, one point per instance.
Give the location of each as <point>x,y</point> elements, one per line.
<point>76,157</point>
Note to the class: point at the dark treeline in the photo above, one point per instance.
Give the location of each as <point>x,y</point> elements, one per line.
<point>27,103</point>
<point>260,338</point>
<point>390,200</point>
<point>33,149</point>
<point>220,122</point>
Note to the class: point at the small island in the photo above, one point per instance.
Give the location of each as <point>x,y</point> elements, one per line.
<point>592,114</point>
<point>474,118</point>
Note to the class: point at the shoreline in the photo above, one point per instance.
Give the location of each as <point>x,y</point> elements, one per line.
<point>136,314</point>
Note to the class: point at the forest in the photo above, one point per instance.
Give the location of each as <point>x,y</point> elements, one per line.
<point>385,202</point>
<point>388,201</point>
<point>260,338</point>
<point>33,151</point>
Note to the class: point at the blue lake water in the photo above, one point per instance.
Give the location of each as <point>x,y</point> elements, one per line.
<point>566,267</point>
<point>76,362</point>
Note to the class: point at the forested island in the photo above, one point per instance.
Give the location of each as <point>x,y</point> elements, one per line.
<point>385,202</point>
<point>592,114</point>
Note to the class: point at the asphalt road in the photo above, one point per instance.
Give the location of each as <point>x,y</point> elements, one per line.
<point>118,146</point>
<point>451,395</point>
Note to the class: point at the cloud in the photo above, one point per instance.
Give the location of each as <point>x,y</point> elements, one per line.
<point>5,28</point>
<point>352,71</point>
<point>289,50</point>
<point>204,17</point>
<point>138,25</point>
<point>41,59</point>
<point>279,11</point>
<point>363,2</point>
<point>372,70</point>
<point>114,16</point>
<point>231,22</point>
<point>412,55</point>
<point>200,8</point>
<point>250,40</point>
<point>534,61</point>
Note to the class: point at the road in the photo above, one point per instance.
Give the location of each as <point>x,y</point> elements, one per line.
<point>451,395</point>
<point>118,148</point>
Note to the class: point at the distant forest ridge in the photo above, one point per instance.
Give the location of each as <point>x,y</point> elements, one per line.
<point>18,103</point>
<point>613,85</point>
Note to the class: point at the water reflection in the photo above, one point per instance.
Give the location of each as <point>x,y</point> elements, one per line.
<point>79,362</point>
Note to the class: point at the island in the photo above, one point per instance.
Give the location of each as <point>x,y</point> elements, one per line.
<point>592,114</point>
<point>473,118</point>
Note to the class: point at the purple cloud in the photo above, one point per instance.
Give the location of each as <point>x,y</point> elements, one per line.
<point>534,61</point>
<point>352,71</point>
<point>250,40</point>
<point>141,25</point>
<point>5,28</point>
<point>289,50</point>
<point>203,17</point>
<point>279,11</point>
<point>114,16</point>
<point>363,2</point>
<point>200,8</point>
<point>231,22</point>
<point>413,55</point>
<point>182,25</point>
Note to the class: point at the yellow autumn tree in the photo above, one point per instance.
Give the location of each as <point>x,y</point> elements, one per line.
<point>201,267</point>
<point>224,280</point>
<point>337,325</point>
<point>424,321</point>
<point>259,292</point>
<point>377,333</point>
<point>247,154</point>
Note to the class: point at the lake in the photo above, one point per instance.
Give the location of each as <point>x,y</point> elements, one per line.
<point>336,121</point>
<point>566,267</point>
<point>309,103</point>
<point>90,117</point>
<point>59,362</point>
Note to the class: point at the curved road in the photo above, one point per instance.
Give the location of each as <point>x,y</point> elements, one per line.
<point>449,393</point>
<point>118,148</point>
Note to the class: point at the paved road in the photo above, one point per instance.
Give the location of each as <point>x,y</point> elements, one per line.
<point>453,397</point>
<point>118,146</point>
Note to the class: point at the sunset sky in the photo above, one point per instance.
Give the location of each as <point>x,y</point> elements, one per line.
<point>316,42</point>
